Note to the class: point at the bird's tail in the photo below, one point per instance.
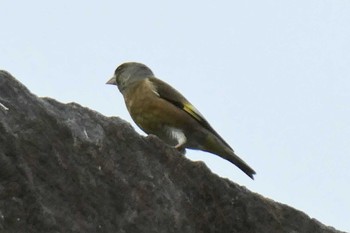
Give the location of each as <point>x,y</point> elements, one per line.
<point>233,158</point>
<point>220,148</point>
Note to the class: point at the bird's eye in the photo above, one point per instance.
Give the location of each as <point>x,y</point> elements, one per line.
<point>118,70</point>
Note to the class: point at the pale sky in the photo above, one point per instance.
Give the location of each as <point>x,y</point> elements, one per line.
<point>272,77</point>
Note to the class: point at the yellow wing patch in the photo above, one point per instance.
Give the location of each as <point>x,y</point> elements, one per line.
<point>190,109</point>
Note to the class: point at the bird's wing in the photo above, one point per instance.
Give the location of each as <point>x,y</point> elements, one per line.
<point>168,93</point>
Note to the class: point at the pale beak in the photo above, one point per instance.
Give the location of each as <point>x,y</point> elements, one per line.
<point>112,81</point>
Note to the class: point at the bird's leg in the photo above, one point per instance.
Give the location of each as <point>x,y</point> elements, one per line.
<point>181,140</point>
<point>178,136</point>
<point>181,145</point>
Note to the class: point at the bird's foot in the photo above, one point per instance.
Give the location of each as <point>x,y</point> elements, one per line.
<point>180,149</point>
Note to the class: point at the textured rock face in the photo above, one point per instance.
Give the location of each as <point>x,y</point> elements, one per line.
<point>66,168</point>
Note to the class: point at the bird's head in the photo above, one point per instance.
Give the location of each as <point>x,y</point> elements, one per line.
<point>129,73</point>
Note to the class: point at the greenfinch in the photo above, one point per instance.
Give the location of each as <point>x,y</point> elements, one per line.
<point>159,109</point>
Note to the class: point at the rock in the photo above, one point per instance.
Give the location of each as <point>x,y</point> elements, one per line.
<point>66,168</point>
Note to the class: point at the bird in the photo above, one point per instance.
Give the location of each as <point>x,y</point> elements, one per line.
<point>159,109</point>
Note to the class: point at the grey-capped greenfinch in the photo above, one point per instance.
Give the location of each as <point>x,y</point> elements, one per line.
<point>159,109</point>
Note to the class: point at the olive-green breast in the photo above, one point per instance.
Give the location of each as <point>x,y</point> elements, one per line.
<point>152,113</point>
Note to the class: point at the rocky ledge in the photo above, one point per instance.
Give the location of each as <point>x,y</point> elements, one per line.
<point>66,168</point>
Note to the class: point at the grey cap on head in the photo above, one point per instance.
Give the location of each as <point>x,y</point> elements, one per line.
<point>129,72</point>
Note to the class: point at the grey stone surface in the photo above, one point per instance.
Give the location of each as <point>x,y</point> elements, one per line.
<point>66,168</point>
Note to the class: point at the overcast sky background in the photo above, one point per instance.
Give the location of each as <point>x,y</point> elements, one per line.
<point>272,77</point>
